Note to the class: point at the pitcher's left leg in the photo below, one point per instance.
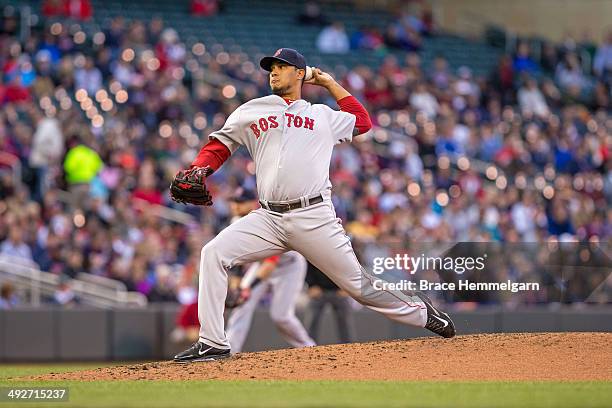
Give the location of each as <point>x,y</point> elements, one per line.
<point>316,233</point>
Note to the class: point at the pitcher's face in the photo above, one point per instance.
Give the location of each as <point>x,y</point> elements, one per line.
<point>284,77</point>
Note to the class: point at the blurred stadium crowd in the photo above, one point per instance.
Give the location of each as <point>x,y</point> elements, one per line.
<point>92,131</point>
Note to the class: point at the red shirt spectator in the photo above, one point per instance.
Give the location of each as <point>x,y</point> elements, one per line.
<point>2,91</point>
<point>53,8</point>
<point>79,9</point>
<point>149,195</point>
<point>15,92</point>
<point>188,316</point>
<point>204,8</point>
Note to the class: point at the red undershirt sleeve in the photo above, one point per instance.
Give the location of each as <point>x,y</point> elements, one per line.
<point>350,104</point>
<point>272,259</point>
<point>213,154</point>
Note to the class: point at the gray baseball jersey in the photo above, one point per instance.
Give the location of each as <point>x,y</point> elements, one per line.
<point>290,144</point>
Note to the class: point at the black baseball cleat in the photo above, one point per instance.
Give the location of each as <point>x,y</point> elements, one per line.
<point>438,321</point>
<point>201,352</point>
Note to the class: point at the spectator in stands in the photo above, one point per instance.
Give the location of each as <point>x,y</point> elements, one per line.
<point>427,21</point>
<point>75,9</point>
<point>333,40</point>
<point>502,78</point>
<point>52,8</point>
<point>81,165</point>
<point>549,58</point>
<point>363,227</point>
<point>187,325</point>
<point>524,214</point>
<point>559,220</point>
<point>43,84</point>
<point>413,165</point>
<point>403,36</point>
<point>602,96</point>
<point>8,299</point>
<point>170,51</point>
<point>531,100</point>
<point>367,38</point>
<point>47,149</point>
<point>379,92</point>
<point>440,75</point>
<point>570,77</point>
<point>78,9</point>
<point>114,34</point>
<point>155,29</point>
<point>16,92</point>
<point>2,90</point>
<point>465,88</point>
<point>147,187</point>
<point>312,15</point>
<point>422,100</point>
<point>411,21</point>
<point>64,295</point>
<point>447,144</point>
<point>204,8</point>
<point>88,77</point>
<point>74,263</point>
<point>164,290</point>
<point>322,291</point>
<point>602,65</point>
<point>15,246</point>
<point>523,61</point>
<point>551,94</point>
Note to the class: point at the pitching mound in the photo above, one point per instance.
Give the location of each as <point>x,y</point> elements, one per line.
<point>542,356</point>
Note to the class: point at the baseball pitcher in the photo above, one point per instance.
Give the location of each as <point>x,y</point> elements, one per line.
<point>291,142</point>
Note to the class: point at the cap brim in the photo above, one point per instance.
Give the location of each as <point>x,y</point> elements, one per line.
<point>266,63</point>
<point>241,200</point>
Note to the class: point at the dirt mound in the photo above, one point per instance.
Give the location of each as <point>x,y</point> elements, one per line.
<point>542,356</point>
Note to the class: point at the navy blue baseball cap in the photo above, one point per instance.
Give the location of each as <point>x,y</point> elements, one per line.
<point>286,55</point>
<point>242,195</point>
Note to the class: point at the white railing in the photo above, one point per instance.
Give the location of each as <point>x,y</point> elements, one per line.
<point>91,290</point>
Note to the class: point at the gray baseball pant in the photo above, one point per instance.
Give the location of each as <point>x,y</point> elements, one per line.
<point>314,232</point>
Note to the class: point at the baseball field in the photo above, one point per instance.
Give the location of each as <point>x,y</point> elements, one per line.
<point>492,370</point>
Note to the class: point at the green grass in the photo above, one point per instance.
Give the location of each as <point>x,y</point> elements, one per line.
<point>292,394</point>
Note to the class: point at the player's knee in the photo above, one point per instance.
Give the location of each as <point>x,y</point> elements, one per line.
<point>281,318</point>
<point>209,251</point>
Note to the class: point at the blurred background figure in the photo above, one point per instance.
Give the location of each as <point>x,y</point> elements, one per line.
<point>322,292</point>
<point>333,40</point>
<point>15,246</point>
<point>187,328</point>
<point>312,14</point>
<point>602,65</point>
<point>204,8</point>
<point>8,298</point>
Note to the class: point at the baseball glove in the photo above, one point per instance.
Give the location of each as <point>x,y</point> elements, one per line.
<point>189,186</point>
<point>236,297</point>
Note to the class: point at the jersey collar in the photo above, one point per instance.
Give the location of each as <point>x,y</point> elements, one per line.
<point>286,101</point>
<point>292,104</point>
